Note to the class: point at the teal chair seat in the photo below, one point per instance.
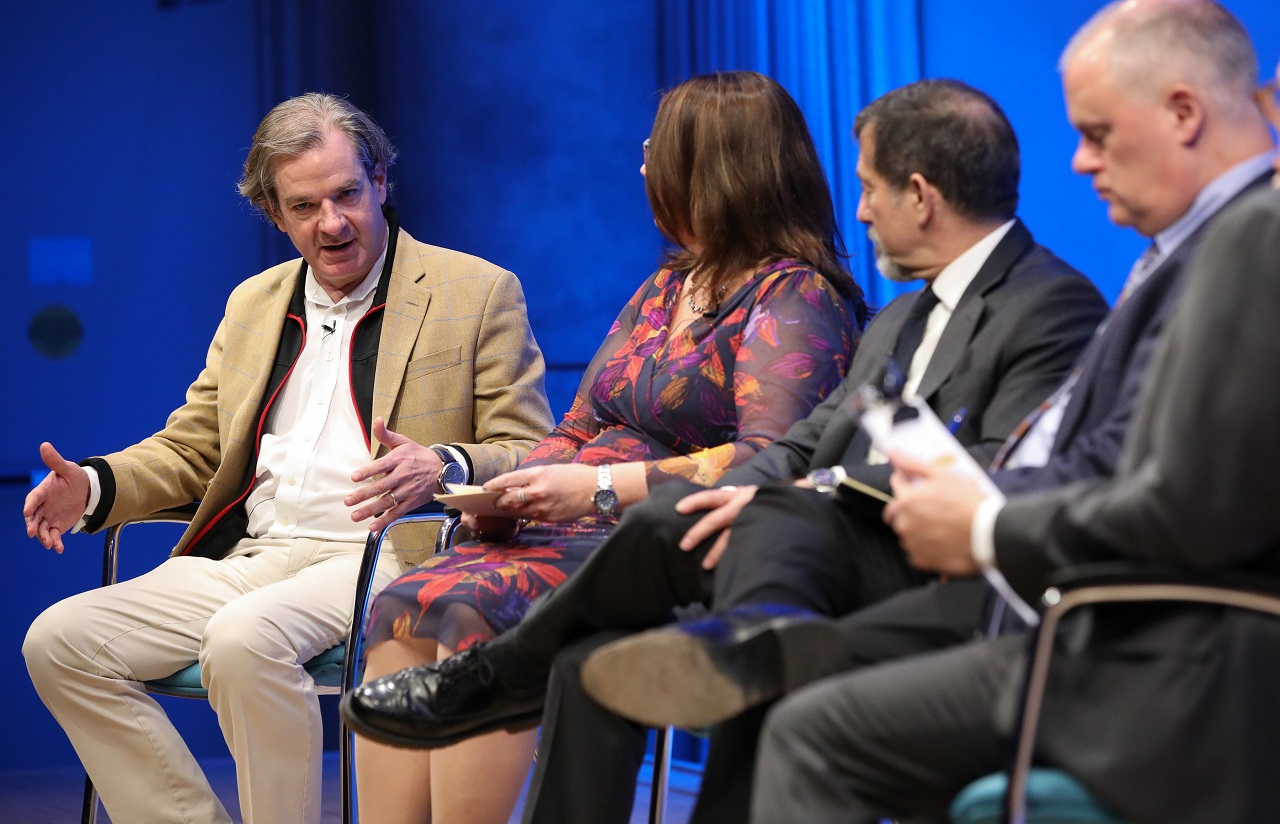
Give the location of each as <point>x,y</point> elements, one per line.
<point>1053,797</point>
<point>325,669</point>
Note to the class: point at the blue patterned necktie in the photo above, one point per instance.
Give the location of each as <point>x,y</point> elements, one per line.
<point>1142,269</point>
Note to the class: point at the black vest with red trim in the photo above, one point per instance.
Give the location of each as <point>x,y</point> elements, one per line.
<point>230,525</point>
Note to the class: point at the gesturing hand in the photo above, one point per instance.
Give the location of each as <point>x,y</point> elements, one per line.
<point>400,481</point>
<point>724,504</point>
<point>57,502</point>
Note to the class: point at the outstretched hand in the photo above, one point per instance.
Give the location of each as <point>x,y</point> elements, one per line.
<point>58,502</point>
<point>400,481</point>
<point>724,503</point>
<point>932,511</point>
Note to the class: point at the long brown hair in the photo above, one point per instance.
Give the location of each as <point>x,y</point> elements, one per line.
<point>732,166</point>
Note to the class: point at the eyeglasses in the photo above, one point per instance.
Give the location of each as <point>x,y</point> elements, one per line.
<point>1269,100</point>
<point>644,147</point>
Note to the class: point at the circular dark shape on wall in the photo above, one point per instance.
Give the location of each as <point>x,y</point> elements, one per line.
<point>55,332</point>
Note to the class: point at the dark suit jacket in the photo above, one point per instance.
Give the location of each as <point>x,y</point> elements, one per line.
<point>1169,714</point>
<point>1010,342</point>
<point>1113,366</point>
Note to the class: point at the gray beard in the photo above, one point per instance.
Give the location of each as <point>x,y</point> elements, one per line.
<point>885,264</point>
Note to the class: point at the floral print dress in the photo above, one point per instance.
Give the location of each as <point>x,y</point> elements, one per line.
<point>690,402</point>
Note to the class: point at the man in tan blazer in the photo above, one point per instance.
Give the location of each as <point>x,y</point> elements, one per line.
<point>337,392</point>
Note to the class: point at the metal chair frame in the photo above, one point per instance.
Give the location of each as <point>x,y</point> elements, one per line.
<point>1106,584</point>
<point>353,660</point>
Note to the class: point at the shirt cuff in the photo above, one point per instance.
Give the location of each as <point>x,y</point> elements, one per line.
<point>982,532</point>
<point>459,456</point>
<point>95,495</point>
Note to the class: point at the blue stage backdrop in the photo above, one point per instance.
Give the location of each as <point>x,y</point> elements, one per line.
<point>519,125</point>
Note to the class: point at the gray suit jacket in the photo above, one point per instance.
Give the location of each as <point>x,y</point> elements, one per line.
<point>1169,714</point>
<point>1010,342</point>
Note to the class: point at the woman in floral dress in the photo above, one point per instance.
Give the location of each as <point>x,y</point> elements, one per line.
<point>750,322</point>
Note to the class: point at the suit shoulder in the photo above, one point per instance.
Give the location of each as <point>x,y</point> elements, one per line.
<point>268,283</point>
<point>441,265</point>
<point>1040,263</point>
<point>1258,209</point>
<point>1040,271</point>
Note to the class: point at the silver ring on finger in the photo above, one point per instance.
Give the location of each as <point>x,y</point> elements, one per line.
<point>520,495</point>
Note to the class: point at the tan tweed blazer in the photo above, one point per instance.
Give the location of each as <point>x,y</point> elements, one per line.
<point>457,363</point>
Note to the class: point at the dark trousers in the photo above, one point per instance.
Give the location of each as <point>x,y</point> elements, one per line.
<point>897,740</point>
<point>789,545</point>
<point>920,620</point>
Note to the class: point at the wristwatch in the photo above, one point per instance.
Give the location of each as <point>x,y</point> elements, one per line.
<point>605,499</point>
<point>451,472</point>
<point>827,479</point>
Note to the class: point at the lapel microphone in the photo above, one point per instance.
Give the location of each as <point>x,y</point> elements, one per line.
<point>329,330</point>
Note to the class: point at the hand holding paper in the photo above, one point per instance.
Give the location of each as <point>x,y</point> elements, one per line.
<point>475,500</point>
<point>937,489</point>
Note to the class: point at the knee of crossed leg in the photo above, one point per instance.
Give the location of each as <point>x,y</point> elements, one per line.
<point>654,520</point>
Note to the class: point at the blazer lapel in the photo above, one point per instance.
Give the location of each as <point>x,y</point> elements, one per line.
<point>972,306</point>
<point>252,354</point>
<point>407,302</point>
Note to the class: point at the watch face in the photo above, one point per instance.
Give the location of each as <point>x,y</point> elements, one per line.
<point>824,480</point>
<point>452,473</point>
<point>606,501</point>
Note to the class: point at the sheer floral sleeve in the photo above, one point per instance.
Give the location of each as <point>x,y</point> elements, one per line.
<point>695,401</point>
<point>793,349</point>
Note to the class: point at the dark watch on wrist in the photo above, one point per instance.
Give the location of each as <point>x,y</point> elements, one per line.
<point>827,479</point>
<point>605,499</point>
<point>451,472</point>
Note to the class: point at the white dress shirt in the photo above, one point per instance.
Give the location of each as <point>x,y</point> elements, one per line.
<point>949,286</point>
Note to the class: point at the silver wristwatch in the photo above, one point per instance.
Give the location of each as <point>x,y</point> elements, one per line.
<point>605,499</point>
<point>827,479</point>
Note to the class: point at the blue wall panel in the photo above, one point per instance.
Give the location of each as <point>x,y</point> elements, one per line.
<point>520,126</point>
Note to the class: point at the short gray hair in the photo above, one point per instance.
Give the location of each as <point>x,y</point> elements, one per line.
<point>299,125</point>
<point>1194,41</point>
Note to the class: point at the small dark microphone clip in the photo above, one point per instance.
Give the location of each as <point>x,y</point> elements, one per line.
<point>329,330</point>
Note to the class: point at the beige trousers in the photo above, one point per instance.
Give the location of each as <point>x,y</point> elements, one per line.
<point>252,620</point>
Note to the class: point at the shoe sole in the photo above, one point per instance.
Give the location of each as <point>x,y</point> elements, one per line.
<point>511,723</point>
<point>664,678</point>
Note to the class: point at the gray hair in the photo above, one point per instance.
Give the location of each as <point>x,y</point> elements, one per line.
<point>1193,41</point>
<point>299,125</point>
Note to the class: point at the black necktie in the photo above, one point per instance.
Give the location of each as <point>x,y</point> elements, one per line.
<point>912,331</point>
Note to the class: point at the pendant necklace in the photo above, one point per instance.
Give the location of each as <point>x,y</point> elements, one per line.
<point>702,309</point>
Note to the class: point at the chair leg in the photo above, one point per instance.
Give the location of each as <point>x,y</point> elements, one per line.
<point>345,752</point>
<point>89,814</point>
<point>661,774</point>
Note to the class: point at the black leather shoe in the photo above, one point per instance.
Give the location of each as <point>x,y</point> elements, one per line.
<point>707,671</point>
<point>445,702</point>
